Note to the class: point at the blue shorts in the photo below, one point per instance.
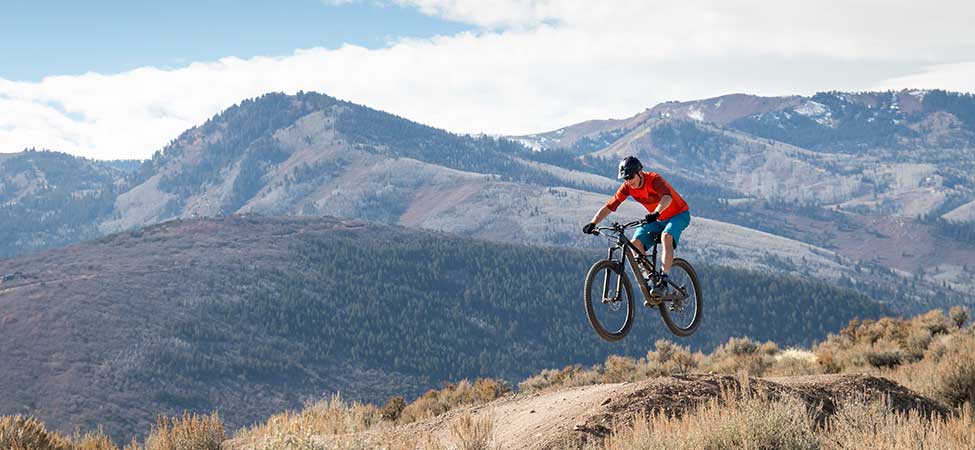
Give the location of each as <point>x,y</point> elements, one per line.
<point>673,226</point>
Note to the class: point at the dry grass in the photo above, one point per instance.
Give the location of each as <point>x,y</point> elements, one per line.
<point>182,433</point>
<point>757,423</point>
<point>909,351</point>
<point>570,376</point>
<point>667,358</point>
<point>750,422</point>
<point>27,433</point>
<point>464,393</point>
<point>876,425</point>
<point>94,440</point>
<point>473,433</point>
<point>326,417</point>
<point>933,354</point>
<point>298,429</point>
<point>743,355</point>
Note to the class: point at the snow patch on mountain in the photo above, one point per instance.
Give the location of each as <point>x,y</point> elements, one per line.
<point>536,144</point>
<point>816,111</point>
<point>812,108</point>
<point>918,93</point>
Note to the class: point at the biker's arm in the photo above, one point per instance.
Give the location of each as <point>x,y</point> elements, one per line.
<point>664,203</point>
<point>601,214</point>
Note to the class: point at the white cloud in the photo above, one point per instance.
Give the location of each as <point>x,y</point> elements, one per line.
<point>951,77</point>
<point>496,13</point>
<point>535,66</point>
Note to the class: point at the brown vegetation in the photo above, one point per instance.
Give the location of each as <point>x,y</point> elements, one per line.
<point>189,432</point>
<point>678,405</point>
<point>758,422</point>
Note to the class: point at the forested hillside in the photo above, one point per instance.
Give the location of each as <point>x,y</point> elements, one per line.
<point>252,315</point>
<point>48,199</point>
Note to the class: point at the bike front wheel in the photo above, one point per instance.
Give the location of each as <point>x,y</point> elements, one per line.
<point>682,314</point>
<point>609,300</point>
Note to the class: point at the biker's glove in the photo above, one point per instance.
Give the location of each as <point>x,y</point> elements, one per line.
<point>652,217</point>
<point>589,228</point>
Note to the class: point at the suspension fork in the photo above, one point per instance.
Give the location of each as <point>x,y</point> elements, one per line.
<point>619,278</point>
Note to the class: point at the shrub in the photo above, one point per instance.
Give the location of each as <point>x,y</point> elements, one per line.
<point>391,440</point>
<point>27,433</point>
<point>751,422</point>
<point>876,424</point>
<point>549,378</point>
<point>935,322</point>
<point>885,358</point>
<point>489,389</point>
<point>472,433</point>
<point>830,360</point>
<point>959,315</point>
<point>743,355</point>
<point>619,368</point>
<point>849,332</point>
<point>20,433</point>
<point>301,442</point>
<point>569,376</point>
<point>917,343</point>
<point>955,375</point>
<point>189,432</point>
<point>393,408</point>
<point>935,351</point>
<point>436,402</point>
<point>332,416</point>
<point>668,358</point>
<point>96,440</point>
<point>794,362</point>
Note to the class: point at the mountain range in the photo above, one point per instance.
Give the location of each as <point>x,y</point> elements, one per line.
<point>869,188</point>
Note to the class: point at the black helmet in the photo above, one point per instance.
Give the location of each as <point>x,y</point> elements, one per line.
<point>629,166</point>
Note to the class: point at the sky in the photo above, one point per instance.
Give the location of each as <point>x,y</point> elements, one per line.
<point>121,79</point>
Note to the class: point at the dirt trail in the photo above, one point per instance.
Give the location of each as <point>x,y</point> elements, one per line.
<point>533,421</point>
<point>549,420</point>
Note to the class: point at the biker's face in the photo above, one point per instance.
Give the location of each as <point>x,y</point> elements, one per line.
<point>635,181</point>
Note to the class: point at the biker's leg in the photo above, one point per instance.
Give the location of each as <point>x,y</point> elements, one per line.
<point>670,237</point>
<point>668,251</point>
<point>641,239</point>
<point>639,246</point>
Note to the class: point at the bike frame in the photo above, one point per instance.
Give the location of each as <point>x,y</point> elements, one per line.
<point>629,252</point>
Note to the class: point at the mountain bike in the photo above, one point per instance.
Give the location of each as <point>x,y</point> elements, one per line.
<point>609,296</point>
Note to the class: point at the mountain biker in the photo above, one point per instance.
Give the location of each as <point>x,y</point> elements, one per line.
<point>669,214</point>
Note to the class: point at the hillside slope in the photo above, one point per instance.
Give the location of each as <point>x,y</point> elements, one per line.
<point>49,199</point>
<point>253,315</point>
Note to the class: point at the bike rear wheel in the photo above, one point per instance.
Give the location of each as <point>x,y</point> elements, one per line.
<point>610,309</point>
<point>683,316</point>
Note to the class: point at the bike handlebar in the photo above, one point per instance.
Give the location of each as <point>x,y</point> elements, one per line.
<point>619,228</point>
